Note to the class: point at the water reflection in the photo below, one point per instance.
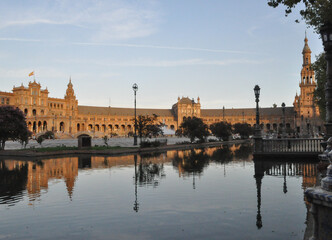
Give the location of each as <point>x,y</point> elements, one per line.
<point>139,174</point>
<point>150,170</point>
<point>307,170</point>
<point>13,180</point>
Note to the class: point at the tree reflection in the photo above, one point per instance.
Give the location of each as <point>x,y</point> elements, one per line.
<point>243,152</point>
<point>222,155</point>
<point>12,183</point>
<point>192,161</point>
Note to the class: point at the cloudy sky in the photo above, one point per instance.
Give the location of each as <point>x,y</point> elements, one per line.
<point>215,49</point>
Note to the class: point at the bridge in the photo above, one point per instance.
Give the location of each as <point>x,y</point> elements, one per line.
<point>300,148</point>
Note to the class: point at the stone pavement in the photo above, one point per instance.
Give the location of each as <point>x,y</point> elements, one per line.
<point>122,142</point>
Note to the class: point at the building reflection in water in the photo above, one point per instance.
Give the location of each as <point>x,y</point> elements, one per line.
<point>21,178</point>
<point>307,170</point>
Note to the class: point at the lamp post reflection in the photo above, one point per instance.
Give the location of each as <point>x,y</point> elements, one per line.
<point>136,204</point>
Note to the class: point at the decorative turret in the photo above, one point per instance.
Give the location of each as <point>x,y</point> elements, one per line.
<point>306,52</point>
<point>71,102</point>
<point>303,103</point>
<point>70,90</point>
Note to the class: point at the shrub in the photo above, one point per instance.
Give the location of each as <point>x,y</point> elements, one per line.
<point>48,135</point>
<point>145,144</point>
<point>40,139</point>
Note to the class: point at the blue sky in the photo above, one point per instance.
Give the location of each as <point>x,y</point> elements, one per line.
<point>215,49</point>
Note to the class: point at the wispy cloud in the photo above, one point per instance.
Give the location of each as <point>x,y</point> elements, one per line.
<point>161,47</point>
<point>251,30</point>
<point>101,20</point>
<point>131,46</point>
<point>20,39</point>
<point>160,63</point>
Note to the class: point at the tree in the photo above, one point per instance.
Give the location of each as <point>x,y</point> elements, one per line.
<point>243,129</point>
<point>40,139</point>
<point>320,73</point>
<point>24,138</point>
<point>105,138</point>
<point>12,125</point>
<point>148,126</point>
<point>316,13</point>
<point>221,130</point>
<point>194,128</point>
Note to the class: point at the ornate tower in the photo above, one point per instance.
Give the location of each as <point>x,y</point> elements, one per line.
<point>306,110</point>
<point>71,105</point>
<point>304,103</point>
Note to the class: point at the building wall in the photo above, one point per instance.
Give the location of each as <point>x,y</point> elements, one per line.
<point>67,119</point>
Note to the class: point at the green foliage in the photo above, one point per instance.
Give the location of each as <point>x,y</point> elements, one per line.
<point>24,138</point>
<point>221,130</point>
<point>178,133</point>
<point>148,126</point>
<point>194,128</point>
<point>105,138</point>
<point>145,144</point>
<point>243,129</point>
<point>320,73</point>
<point>12,125</point>
<point>48,135</point>
<point>315,12</point>
<point>40,139</point>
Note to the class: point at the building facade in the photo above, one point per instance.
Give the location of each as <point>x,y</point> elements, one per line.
<point>68,119</point>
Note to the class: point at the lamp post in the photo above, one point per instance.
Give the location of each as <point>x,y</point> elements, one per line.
<point>283,105</point>
<point>257,136</point>
<point>326,33</point>
<point>135,88</point>
<point>257,128</point>
<point>223,113</point>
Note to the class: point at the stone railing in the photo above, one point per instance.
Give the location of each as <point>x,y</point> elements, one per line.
<point>292,145</point>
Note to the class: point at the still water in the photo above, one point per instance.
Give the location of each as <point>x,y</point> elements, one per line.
<point>212,193</point>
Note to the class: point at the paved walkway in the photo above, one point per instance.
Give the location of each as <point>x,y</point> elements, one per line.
<point>122,142</point>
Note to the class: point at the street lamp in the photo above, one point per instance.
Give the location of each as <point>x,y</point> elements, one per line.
<point>135,88</point>
<point>326,34</point>
<point>257,92</point>
<point>223,113</point>
<point>283,105</point>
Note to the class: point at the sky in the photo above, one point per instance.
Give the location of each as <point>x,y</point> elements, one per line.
<point>215,49</point>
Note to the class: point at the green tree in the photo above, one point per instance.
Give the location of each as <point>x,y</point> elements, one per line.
<point>221,130</point>
<point>148,126</point>
<point>320,73</point>
<point>24,138</point>
<point>40,139</point>
<point>314,12</point>
<point>12,125</point>
<point>243,129</point>
<point>194,128</point>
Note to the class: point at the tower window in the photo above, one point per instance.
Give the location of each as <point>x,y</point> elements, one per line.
<point>306,60</point>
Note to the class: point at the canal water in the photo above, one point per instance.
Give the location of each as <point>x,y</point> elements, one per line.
<point>212,193</point>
